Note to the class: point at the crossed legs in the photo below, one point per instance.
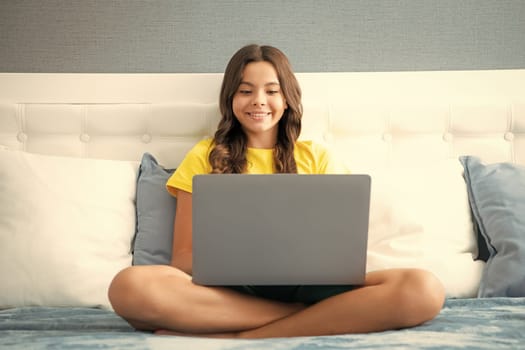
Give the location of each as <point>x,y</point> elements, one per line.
<point>163,297</point>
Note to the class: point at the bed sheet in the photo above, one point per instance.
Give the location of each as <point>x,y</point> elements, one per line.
<point>495,323</point>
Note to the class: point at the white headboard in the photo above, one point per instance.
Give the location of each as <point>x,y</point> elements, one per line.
<point>371,119</point>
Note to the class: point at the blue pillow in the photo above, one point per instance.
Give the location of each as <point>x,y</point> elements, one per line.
<point>497,198</point>
<point>155,214</point>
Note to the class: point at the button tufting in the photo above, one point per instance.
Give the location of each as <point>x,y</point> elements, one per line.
<point>146,138</point>
<point>448,137</point>
<point>508,136</point>
<point>85,138</point>
<point>21,137</point>
<point>387,137</point>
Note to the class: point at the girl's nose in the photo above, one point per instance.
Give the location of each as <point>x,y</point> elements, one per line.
<point>259,98</point>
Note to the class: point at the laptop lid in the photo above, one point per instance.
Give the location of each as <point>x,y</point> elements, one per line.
<point>280,229</point>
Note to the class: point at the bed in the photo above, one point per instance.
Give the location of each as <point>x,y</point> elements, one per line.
<point>84,157</point>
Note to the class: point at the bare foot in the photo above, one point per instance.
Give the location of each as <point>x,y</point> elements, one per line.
<point>230,335</point>
<point>167,332</point>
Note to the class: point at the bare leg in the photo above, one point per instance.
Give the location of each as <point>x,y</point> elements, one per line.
<point>390,299</point>
<point>163,297</point>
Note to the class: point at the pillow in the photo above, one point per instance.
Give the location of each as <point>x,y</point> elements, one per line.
<point>66,226</point>
<point>155,214</point>
<point>497,198</point>
<point>420,218</point>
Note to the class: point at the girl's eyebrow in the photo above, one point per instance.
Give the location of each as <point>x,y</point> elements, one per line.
<point>267,84</point>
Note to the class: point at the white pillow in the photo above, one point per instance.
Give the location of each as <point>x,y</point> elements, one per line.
<point>66,226</point>
<point>420,217</point>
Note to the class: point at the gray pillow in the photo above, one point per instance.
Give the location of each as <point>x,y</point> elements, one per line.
<point>155,214</point>
<point>497,198</point>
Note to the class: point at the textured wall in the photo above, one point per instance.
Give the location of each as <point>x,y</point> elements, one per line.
<point>200,36</point>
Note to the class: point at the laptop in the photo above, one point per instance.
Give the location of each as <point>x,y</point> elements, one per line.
<point>280,229</point>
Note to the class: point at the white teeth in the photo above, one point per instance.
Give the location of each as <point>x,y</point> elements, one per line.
<point>258,115</point>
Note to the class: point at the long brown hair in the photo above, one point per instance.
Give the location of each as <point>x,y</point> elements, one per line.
<point>230,142</point>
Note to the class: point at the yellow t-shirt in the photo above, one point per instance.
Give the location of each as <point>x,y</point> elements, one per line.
<point>310,158</point>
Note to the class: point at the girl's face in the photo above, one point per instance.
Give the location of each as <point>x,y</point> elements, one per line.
<point>259,104</point>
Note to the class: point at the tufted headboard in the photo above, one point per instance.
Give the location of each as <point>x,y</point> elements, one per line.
<point>371,119</point>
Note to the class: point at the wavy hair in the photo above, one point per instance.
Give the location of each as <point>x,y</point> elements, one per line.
<point>228,154</point>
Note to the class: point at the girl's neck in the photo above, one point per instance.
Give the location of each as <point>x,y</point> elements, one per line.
<point>262,141</point>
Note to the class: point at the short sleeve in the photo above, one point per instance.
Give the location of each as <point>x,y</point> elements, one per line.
<point>195,163</point>
<point>328,162</point>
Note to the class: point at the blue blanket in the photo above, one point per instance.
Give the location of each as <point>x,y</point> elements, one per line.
<point>494,323</point>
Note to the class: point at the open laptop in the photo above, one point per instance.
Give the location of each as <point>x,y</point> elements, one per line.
<point>280,229</point>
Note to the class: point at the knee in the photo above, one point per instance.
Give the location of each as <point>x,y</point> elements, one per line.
<point>135,293</point>
<point>125,289</point>
<point>420,295</point>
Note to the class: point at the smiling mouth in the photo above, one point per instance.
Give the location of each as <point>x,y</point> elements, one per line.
<point>258,115</point>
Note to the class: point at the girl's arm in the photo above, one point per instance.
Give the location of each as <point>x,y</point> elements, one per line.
<point>181,256</point>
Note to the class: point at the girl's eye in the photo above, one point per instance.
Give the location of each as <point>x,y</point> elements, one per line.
<point>244,92</point>
<point>273,92</point>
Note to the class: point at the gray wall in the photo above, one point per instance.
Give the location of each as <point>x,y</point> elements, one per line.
<point>200,36</point>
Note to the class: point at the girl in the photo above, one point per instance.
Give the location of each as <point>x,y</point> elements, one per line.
<point>260,103</point>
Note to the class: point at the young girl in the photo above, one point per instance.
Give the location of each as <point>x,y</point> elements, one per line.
<point>260,103</point>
